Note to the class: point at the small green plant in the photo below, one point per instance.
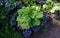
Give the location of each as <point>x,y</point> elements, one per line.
<point>51,6</point>
<point>55,7</point>
<point>48,5</point>
<point>29,17</point>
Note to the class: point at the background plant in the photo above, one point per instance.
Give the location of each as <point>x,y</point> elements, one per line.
<point>51,7</point>
<point>28,2</point>
<point>6,31</point>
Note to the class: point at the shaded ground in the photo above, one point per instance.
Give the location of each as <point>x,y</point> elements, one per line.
<point>53,32</point>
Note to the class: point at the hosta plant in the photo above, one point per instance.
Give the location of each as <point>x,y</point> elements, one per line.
<point>29,17</point>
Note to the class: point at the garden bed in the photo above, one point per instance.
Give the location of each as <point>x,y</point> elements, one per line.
<point>30,19</point>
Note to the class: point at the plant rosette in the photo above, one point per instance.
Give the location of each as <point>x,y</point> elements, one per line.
<point>29,17</point>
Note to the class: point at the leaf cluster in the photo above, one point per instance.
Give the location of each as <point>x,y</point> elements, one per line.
<point>29,17</point>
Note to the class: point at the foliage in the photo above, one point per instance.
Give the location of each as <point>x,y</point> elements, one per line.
<point>48,5</point>
<point>28,2</point>
<point>11,4</point>
<point>51,6</point>
<point>6,31</point>
<point>29,17</point>
<point>2,15</point>
<point>55,7</point>
<point>9,32</point>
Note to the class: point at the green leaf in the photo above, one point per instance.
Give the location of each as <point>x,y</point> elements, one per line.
<point>36,22</point>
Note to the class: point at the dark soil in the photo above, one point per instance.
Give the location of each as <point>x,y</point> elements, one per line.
<point>53,32</point>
